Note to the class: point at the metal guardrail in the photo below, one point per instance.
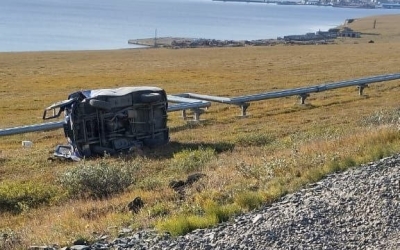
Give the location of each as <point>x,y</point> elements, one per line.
<point>31,128</point>
<point>183,104</point>
<point>303,92</point>
<point>197,102</point>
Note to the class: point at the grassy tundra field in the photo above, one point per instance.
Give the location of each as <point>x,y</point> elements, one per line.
<point>280,147</point>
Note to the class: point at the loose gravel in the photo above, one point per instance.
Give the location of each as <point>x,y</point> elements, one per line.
<point>355,209</point>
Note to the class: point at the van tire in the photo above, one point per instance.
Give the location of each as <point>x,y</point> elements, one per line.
<point>151,97</point>
<point>100,104</point>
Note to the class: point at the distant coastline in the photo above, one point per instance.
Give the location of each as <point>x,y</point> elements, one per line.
<point>179,42</point>
<point>350,4</point>
<point>318,37</point>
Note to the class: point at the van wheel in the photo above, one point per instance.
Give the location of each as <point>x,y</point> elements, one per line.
<point>151,97</point>
<point>100,104</point>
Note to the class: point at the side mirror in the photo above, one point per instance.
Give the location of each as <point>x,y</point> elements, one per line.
<point>56,109</point>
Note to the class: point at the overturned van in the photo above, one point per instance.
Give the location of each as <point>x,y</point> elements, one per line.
<point>111,120</point>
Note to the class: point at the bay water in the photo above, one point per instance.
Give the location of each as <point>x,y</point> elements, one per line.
<point>47,25</point>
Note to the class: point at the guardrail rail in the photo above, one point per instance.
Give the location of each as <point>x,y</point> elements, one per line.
<point>198,102</point>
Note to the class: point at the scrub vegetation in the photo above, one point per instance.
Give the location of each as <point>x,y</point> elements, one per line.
<point>278,148</point>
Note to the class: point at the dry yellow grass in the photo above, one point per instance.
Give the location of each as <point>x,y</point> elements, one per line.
<point>378,28</point>
<point>327,127</point>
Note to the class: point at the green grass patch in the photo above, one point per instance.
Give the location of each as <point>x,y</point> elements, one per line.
<point>182,224</point>
<point>99,179</point>
<point>210,215</point>
<point>189,160</point>
<point>159,210</point>
<point>19,197</point>
<point>221,212</point>
<point>249,200</point>
<point>251,139</point>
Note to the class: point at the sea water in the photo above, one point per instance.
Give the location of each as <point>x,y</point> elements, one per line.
<point>44,25</point>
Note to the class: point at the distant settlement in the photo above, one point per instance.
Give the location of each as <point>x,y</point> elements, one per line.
<point>366,4</point>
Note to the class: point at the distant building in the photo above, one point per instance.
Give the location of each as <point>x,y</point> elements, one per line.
<point>312,2</point>
<point>394,5</point>
<point>347,32</point>
<point>320,35</point>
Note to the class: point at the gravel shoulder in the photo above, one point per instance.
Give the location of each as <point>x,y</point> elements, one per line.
<point>355,209</point>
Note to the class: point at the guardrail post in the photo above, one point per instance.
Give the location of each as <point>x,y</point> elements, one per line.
<point>197,113</point>
<point>184,114</point>
<point>361,88</point>
<point>303,98</point>
<point>243,107</point>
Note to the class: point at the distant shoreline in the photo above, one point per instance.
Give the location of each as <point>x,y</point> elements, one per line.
<point>186,42</point>
<point>304,39</point>
<point>347,5</point>
<point>179,42</point>
<point>152,42</point>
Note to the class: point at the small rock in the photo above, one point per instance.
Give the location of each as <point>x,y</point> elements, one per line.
<point>259,217</point>
<point>136,205</point>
